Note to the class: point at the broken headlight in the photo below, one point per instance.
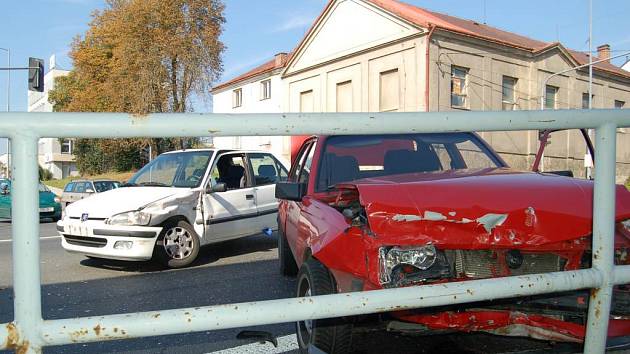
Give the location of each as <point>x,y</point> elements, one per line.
<point>407,265</point>
<point>129,218</point>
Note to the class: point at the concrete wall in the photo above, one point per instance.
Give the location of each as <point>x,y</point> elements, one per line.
<point>364,72</point>
<point>488,64</point>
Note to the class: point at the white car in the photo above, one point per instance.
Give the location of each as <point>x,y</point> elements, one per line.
<point>178,202</point>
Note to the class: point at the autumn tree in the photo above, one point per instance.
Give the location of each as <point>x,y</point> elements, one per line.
<point>140,56</point>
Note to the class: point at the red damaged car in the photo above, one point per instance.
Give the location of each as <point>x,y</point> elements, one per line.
<point>381,211</point>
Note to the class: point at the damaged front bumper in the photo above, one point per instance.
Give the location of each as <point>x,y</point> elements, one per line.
<point>556,317</point>
<point>97,239</point>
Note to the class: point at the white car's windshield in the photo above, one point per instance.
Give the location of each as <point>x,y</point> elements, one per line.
<point>181,169</point>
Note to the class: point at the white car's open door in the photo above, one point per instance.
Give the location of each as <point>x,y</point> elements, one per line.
<point>231,213</point>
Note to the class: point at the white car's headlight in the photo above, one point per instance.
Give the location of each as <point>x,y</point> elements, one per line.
<point>393,259</point>
<point>129,218</point>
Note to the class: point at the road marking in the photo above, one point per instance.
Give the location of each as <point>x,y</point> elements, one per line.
<point>286,344</point>
<point>41,238</point>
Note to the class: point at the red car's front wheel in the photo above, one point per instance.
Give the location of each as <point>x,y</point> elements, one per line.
<point>333,335</point>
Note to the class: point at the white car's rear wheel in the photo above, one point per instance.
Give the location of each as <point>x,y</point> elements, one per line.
<point>178,245</point>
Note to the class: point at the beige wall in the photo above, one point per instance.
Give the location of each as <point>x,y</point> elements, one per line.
<point>363,73</point>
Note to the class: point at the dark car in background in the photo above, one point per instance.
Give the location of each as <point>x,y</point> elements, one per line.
<point>79,189</point>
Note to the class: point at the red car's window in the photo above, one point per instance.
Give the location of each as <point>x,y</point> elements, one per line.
<point>348,158</point>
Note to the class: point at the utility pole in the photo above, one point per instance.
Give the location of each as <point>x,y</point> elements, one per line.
<point>589,171</point>
<point>590,54</point>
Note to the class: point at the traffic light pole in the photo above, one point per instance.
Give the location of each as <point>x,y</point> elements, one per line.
<point>39,86</point>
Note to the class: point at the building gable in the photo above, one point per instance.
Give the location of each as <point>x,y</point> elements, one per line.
<point>347,27</point>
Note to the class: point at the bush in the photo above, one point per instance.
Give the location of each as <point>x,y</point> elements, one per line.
<point>44,174</point>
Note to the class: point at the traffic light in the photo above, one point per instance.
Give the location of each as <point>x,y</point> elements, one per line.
<point>36,74</point>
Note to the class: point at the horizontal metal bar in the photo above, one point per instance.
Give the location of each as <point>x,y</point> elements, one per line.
<point>99,125</point>
<point>621,275</point>
<point>20,68</point>
<point>89,329</point>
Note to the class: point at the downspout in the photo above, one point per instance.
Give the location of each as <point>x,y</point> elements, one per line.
<point>427,66</point>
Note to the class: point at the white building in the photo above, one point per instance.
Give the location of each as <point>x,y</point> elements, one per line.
<point>626,65</point>
<point>256,91</point>
<point>54,155</point>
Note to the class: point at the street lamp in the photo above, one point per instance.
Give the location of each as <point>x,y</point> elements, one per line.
<point>8,106</point>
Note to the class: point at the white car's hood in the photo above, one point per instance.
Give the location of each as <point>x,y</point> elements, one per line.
<point>120,200</point>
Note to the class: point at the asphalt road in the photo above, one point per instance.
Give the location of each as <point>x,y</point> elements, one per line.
<point>233,271</point>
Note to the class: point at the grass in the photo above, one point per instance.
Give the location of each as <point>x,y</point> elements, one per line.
<point>117,176</point>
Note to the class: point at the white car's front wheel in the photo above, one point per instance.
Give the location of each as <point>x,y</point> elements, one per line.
<point>178,245</point>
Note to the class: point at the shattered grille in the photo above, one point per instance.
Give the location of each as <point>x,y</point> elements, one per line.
<point>486,264</point>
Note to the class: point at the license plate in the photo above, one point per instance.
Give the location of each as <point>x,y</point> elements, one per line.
<point>77,230</point>
<point>46,210</point>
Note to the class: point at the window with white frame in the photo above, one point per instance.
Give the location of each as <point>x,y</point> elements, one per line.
<point>66,146</point>
<point>265,89</point>
<point>459,87</point>
<point>508,93</point>
<point>237,98</point>
<point>551,97</point>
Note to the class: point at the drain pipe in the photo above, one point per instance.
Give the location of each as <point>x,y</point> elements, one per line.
<point>427,65</point>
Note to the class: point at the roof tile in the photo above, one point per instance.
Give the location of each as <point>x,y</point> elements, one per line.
<point>269,66</point>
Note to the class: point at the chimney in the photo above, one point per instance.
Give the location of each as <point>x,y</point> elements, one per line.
<point>280,59</point>
<point>603,52</point>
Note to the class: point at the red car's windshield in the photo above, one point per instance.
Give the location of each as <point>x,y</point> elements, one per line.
<point>347,158</point>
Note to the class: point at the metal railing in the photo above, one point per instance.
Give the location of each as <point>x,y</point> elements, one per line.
<point>28,333</point>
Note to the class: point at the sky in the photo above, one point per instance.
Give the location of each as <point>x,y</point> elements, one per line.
<point>257,29</point>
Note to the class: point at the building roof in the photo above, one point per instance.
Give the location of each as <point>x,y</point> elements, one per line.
<point>267,67</point>
<point>427,19</point>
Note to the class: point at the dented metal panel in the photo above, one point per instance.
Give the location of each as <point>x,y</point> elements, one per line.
<point>29,332</point>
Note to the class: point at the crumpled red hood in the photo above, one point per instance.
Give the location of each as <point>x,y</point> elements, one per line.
<point>496,207</point>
